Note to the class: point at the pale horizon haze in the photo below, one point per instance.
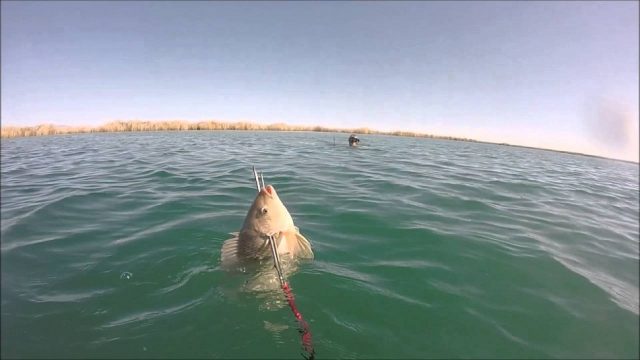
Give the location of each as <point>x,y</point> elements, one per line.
<point>557,75</point>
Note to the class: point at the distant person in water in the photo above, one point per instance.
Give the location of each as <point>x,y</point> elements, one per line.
<point>353,140</point>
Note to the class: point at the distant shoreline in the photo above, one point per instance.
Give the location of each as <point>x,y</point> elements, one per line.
<point>180,125</point>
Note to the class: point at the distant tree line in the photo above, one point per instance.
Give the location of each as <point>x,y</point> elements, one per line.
<point>180,125</point>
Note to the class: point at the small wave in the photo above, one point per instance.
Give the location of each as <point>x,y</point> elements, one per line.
<point>185,277</point>
<point>623,294</point>
<point>501,329</point>
<point>64,297</point>
<point>150,315</point>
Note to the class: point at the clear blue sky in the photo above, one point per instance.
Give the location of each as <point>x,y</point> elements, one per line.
<point>562,75</point>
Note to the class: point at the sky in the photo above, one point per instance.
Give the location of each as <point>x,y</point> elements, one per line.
<point>559,75</point>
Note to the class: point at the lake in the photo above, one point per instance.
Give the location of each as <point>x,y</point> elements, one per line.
<point>423,248</point>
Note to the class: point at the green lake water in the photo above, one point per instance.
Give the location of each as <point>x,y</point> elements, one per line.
<point>423,248</point>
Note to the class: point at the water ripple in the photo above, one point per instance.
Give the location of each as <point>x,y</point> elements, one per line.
<point>424,248</point>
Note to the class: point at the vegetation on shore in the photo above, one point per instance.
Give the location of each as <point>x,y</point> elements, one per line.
<point>179,125</point>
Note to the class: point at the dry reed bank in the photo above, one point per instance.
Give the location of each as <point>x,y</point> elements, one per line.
<point>178,125</point>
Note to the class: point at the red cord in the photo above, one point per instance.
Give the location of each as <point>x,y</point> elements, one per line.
<point>306,334</point>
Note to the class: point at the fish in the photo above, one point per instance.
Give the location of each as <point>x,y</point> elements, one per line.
<point>266,217</point>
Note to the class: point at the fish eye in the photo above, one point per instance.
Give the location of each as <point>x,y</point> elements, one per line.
<point>263,210</point>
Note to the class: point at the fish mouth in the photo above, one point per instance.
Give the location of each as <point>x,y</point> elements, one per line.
<point>268,190</point>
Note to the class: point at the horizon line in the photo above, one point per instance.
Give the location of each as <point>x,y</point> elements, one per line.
<point>46,129</point>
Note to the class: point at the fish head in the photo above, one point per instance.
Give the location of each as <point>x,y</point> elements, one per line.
<point>268,215</point>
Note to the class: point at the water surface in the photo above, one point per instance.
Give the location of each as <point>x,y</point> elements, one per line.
<point>424,248</point>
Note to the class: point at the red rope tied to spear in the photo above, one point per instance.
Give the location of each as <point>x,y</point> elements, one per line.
<point>306,333</point>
